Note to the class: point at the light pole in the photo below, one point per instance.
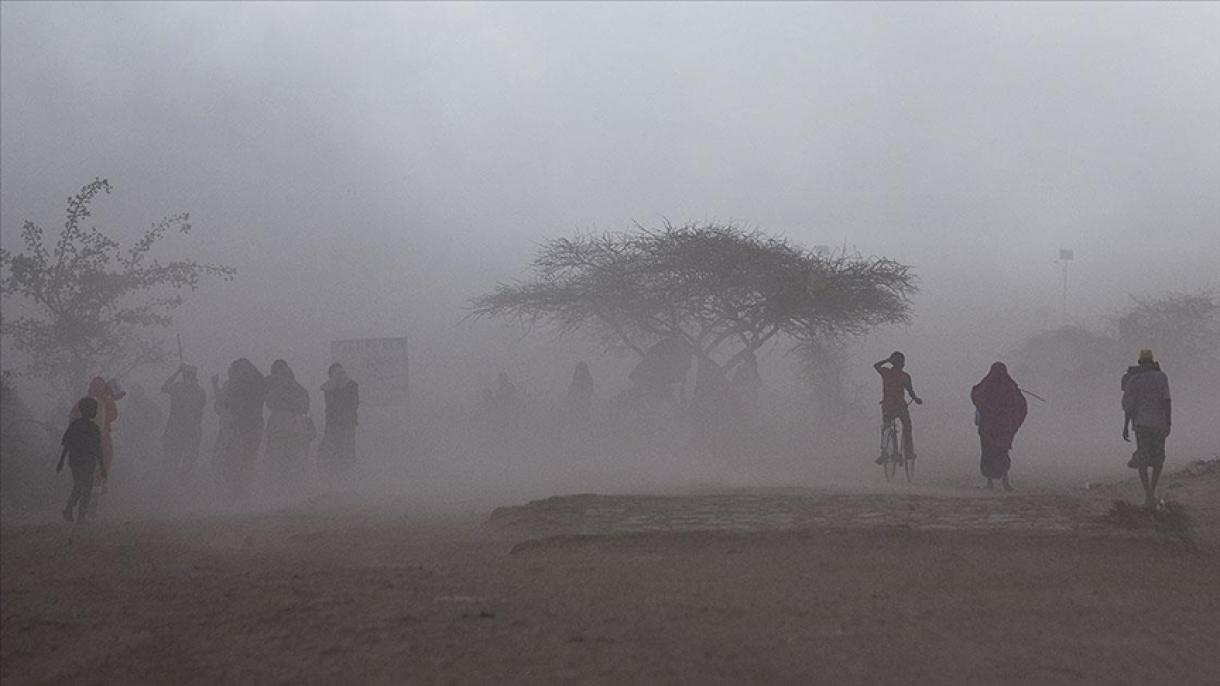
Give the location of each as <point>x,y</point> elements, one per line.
<point>1065,256</point>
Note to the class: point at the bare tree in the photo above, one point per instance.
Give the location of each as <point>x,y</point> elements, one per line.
<point>1184,326</point>
<point>86,300</point>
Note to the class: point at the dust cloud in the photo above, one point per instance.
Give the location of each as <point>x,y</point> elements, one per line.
<point>502,485</point>
<point>369,169</point>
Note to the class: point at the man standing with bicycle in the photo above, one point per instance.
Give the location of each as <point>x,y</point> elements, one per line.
<point>895,385</point>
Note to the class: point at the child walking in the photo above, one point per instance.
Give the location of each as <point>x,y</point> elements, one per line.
<point>82,444</point>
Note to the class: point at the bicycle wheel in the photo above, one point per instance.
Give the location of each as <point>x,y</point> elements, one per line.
<point>889,447</point>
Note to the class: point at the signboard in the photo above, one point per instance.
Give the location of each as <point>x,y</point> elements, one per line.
<point>379,365</point>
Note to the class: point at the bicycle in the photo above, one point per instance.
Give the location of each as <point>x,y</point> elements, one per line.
<point>891,453</point>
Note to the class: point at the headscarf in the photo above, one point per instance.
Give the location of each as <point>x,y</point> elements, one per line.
<point>245,389</point>
<point>336,378</point>
<point>283,391</point>
<point>108,410</point>
<point>281,370</point>
<point>1001,406</point>
<point>582,377</point>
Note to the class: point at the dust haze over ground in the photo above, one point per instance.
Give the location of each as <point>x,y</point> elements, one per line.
<point>369,168</point>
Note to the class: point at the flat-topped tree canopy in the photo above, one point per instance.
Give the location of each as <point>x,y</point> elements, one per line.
<point>724,289</point>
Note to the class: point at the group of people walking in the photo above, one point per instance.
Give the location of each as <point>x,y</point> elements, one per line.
<point>273,412</point>
<point>1001,409</point>
<point>287,431</point>
<point>254,411</point>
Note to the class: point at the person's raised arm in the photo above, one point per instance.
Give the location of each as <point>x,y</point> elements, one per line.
<point>879,365</point>
<point>170,381</point>
<point>1165,403</point>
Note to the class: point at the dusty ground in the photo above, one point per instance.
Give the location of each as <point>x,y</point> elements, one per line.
<point>898,586</point>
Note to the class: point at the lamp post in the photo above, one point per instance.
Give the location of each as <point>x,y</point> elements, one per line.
<point>1065,256</point>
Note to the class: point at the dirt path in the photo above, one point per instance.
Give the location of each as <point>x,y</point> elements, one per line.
<point>773,511</point>
<point>758,586</point>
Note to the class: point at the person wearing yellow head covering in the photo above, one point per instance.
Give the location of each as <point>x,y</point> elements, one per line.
<point>1147,408</point>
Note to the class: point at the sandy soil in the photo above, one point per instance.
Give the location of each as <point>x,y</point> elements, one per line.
<point>896,586</point>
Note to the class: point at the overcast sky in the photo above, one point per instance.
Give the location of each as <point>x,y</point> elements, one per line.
<point>369,167</point>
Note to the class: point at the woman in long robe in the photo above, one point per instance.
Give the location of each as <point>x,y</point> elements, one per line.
<point>1000,410</point>
<point>289,429</point>
<point>580,393</point>
<point>241,402</point>
<point>337,451</point>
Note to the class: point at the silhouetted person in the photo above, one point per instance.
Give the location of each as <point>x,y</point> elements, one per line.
<point>711,393</point>
<point>1000,410</point>
<point>82,446</point>
<point>107,413</point>
<point>224,422</point>
<point>106,395</point>
<point>1146,406</point>
<point>506,391</point>
<point>337,451</point>
<point>289,429</point>
<point>184,429</point>
<point>141,421</point>
<point>895,385</point>
<point>664,365</point>
<point>580,392</point>
<point>241,401</point>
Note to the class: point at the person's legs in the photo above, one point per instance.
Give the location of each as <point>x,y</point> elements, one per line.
<point>1003,464</point>
<point>1150,443</point>
<point>987,462</point>
<point>885,419</point>
<point>170,454</point>
<point>241,452</point>
<point>82,477</point>
<point>1139,458</point>
<point>908,438</point>
<point>190,453</point>
<point>347,447</point>
<point>73,498</point>
<point>983,462</point>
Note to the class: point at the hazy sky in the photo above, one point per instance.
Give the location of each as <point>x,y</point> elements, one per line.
<point>369,167</point>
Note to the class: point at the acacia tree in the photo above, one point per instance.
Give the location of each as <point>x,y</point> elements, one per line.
<point>1185,326</point>
<point>86,300</point>
<point>723,290</point>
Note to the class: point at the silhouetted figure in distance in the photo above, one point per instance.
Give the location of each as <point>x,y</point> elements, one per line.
<point>337,451</point>
<point>1000,410</point>
<point>184,429</point>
